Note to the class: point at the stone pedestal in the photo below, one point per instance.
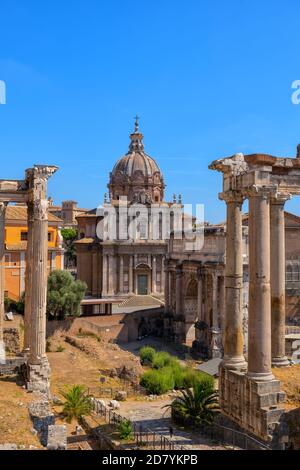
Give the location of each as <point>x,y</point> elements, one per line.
<point>256,406</point>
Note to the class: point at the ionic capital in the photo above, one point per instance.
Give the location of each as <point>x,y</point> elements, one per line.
<point>232,196</point>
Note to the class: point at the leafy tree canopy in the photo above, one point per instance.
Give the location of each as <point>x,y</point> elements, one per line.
<point>64,295</point>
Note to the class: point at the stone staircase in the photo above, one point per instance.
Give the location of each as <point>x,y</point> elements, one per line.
<point>141,301</point>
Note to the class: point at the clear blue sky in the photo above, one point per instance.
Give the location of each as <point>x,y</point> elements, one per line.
<point>208,78</point>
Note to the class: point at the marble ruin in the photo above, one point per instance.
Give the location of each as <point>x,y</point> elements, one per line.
<point>249,394</point>
<point>33,192</point>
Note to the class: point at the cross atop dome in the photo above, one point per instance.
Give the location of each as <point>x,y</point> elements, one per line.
<point>136,126</point>
<point>136,138</point>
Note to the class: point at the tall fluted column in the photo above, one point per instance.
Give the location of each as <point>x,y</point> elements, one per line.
<point>2,277</point>
<point>28,280</point>
<point>279,358</point>
<point>39,282</point>
<point>259,333</point>
<point>233,332</point>
<point>38,370</point>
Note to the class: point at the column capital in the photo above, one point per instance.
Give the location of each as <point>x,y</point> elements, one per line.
<point>232,196</point>
<point>264,192</point>
<point>280,198</point>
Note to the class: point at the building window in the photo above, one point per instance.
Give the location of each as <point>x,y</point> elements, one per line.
<point>49,236</point>
<point>24,236</point>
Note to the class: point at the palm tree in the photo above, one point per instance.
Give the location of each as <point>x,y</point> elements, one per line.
<point>77,403</point>
<point>199,403</point>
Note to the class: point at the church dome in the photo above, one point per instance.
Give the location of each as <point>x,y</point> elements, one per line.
<point>136,175</point>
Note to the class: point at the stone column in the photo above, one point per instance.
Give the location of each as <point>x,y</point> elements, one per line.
<point>162,274</point>
<point>215,300</point>
<point>130,276</point>
<point>153,288</point>
<point>104,275</point>
<point>179,293</point>
<point>259,334</point>
<point>233,334</point>
<point>111,274</point>
<point>121,275</point>
<point>199,297</point>
<point>38,370</point>
<point>167,291</point>
<point>2,277</point>
<point>277,230</point>
<point>28,281</point>
<point>94,273</point>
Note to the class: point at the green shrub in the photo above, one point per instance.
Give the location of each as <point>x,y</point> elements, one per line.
<point>125,430</point>
<point>48,345</point>
<point>159,381</point>
<point>77,403</point>
<point>60,348</point>
<point>147,354</point>
<point>161,359</point>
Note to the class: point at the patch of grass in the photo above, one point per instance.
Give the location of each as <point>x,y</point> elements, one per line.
<point>60,348</point>
<point>157,381</point>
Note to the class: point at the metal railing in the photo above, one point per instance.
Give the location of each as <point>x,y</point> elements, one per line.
<point>143,436</point>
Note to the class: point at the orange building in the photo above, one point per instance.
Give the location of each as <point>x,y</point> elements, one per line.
<point>16,244</point>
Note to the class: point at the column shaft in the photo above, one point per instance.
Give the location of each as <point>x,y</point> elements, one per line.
<point>2,276</point>
<point>28,279</point>
<point>259,335</point>
<point>39,289</point>
<point>233,331</point>
<point>121,275</point>
<point>279,358</point>
<point>153,274</point>
<point>104,275</point>
<point>130,277</point>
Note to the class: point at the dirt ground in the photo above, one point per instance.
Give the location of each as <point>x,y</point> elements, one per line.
<point>15,424</point>
<point>290,383</point>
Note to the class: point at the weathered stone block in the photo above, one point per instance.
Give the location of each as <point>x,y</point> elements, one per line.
<point>57,437</point>
<point>42,417</point>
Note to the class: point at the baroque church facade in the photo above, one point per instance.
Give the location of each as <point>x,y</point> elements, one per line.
<point>123,265</point>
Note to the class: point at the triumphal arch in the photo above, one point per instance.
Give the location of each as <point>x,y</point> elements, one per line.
<point>31,191</point>
<point>249,394</point>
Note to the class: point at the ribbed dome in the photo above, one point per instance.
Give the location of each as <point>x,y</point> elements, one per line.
<point>136,175</point>
<point>136,161</point>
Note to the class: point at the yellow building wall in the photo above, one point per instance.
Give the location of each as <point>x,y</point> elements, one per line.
<point>12,260</point>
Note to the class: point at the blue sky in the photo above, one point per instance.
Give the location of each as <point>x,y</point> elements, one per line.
<point>208,79</point>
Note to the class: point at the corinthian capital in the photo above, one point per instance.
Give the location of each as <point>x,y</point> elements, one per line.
<point>232,196</point>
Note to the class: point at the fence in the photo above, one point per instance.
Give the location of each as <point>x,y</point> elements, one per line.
<point>143,436</point>
<point>102,391</point>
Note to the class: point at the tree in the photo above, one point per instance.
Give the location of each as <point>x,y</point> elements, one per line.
<point>64,295</point>
<point>77,403</point>
<point>199,403</point>
<point>69,236</point>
